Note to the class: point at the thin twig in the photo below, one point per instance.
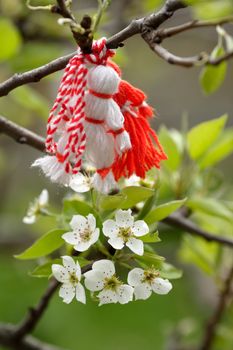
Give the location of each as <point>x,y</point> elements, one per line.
<point>7,332</point>
<point>212,325</point>
<point>35,313</point>
<point>169,32</point>
<point>176,220</point>
<point>21,135</point>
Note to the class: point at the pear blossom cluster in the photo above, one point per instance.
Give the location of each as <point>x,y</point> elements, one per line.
<point>103,281</point>
<point>123,231</point>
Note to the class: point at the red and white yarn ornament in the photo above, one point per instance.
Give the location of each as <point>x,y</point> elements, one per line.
<point>99,117</point>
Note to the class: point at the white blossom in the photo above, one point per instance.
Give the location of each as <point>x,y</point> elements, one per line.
<point>84,232</point>
<point>124,231</point>
<point>102,278</point>
<point>36,207</point>
<point>147,281</point>
<point>80,183</point>
<point>69,275</point>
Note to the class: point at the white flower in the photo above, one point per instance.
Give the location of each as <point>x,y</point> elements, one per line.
<point>84,232</point>
<point>133,180</point>
<point>124,231</point>
<point>69,275</point>
<point>102,278</point>
<point>146,281</point>
<point>35,208</point>
<point>80,183</point>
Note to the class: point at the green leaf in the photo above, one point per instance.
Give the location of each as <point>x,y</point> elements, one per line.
<point>32,100</point>
<point>44,245</point>
<point>150,259</point>
<point>9,38</point>
<point>202,136</point>
<point>151,238</point>
<point>169,271</point>
<point>134,195</point>
<point>171,149</point>
<point>210,206</point>
<point>212,77</point>
<point>127,198</point>
<point>45,270</point>
<point>220,150</point>
<point>163,210</point>
<point>74,206</point>
<point>112,201</point>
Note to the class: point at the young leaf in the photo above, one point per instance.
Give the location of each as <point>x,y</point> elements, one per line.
<point>213,76</point>
<point>169,271</point>
<point>220,150</point>
<point>163,210</point>
<point>210,206</point>
<point>10,39</point>
<point>45,270</point>
<point>127,198</point>
<point>44,245</point>
<point>151,238</point>
<point>150,259</point>
<point>202,136</point>
<point>171,149</point>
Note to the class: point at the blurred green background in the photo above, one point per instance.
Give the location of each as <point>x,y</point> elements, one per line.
<point>30,39</point>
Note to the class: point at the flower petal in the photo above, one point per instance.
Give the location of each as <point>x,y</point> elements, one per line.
<point>80,183</point>
<point>82,246</point>
<point>135,276</point>
<point>142,291</point>
<point>78,271</point>
<point>43,198</point>
<point>116,242</point>
<point>29,219</point>
<point>80,293</point>
<point>91,221</point>
<point>136,245</point>
<point>71,237</point>
<point>69,264</point>
<point>60,273</point>
<point>124,218</point>
<point>105,266</point>
<point>95,236</point>
<point>161,286</point>
<point>125,294</point>
<point>67,292</point>
<point>140,228</point>
<point>78,223</point>
<point>107,296</point>
<point>110,228</point>
<point>94,280</point>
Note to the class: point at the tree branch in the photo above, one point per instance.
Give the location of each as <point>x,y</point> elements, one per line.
<point>169,32</point>
<point>21,135</point>
<point>212,325</point>
<point>15,337</point>
<point>176,220</point>
<point>7,332</point>
<point>34,75</point>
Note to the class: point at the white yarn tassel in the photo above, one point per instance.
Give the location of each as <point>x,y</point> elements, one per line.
<point>51,166</point>
<point>106,184</point>
<point>122,141</point>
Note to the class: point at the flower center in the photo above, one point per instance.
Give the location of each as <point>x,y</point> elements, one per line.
<point>125,233</point>
<point>150,275</point>
<point>86,235</point>
<point>73,279</point>
<point>112,282</point>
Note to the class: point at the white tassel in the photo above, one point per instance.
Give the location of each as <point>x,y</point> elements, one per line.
<point>53,169</point>
<point>51,166</point>
<point>104,185</point>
